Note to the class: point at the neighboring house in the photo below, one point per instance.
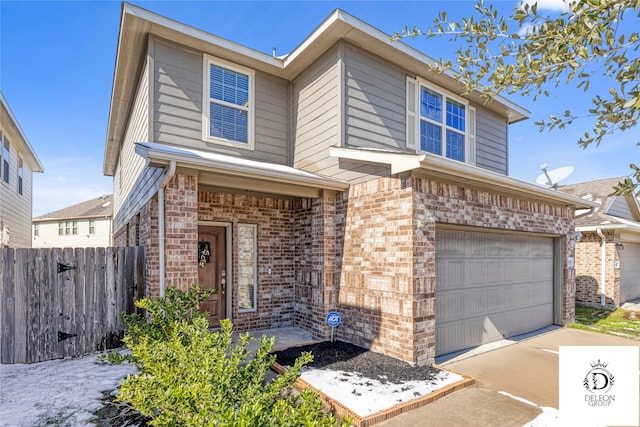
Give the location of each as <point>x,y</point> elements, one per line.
<point>610,233</point>
<point>18,162</point>
<point>343,176</point>
<point>83,225</point>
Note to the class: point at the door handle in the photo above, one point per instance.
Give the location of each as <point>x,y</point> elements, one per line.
<point>224,285</point>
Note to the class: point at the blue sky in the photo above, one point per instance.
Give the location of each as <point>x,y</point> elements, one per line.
<point>57,61</point>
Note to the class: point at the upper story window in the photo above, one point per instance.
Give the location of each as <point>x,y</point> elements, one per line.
<point>67,227</point>
<point>20,175</point>
<point>228,104</point>
<point>36,230</point>
<point>6,155</point>
<point>92,226</point>
<point>439,122</point>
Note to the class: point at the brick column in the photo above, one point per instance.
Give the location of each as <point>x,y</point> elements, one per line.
<point>181,225</point>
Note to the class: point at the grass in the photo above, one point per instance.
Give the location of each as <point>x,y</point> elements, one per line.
<point>622,323</point>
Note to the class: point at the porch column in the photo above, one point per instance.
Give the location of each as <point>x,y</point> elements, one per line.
<point>181,225</point>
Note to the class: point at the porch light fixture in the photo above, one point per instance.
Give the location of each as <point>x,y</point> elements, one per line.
<point>619,246</point>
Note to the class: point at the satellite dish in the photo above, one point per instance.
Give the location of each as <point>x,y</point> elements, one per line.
<point>553,177</point>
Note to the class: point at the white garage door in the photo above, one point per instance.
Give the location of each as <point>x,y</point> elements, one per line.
<point>629,272</point>
<point>490,286</point>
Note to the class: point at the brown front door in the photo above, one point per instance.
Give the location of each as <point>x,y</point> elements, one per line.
<point>212,271</point>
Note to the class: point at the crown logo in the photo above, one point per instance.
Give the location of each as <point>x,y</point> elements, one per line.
<point>599,364</point>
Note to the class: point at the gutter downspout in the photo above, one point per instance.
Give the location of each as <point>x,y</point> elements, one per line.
<point>603,259</point>
<point>161,224</point>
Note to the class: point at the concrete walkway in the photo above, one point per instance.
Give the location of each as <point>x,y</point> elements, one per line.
<point>527,369</point>
<point>632,305</point>
<point>285,337</point>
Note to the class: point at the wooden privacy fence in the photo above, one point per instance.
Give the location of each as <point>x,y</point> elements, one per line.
<point>65,302</point>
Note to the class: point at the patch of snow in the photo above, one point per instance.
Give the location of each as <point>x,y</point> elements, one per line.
<point>547,418</point>
<point>365,396</point>
<point>62,392</point>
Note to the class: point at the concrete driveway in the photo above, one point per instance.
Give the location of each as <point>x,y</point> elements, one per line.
<point>526,369</point>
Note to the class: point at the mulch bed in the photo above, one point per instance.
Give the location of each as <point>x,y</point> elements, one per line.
<point>341,356</point>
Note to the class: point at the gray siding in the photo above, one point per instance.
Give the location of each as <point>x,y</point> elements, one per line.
<point>318,123</point>
<point>620,207</point>
<point>491,141</point>
<point>375,102</point>
<point>177,99</point>
<point>134,183</point>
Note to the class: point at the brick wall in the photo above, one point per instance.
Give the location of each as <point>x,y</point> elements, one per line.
<point>588,269</point>
<point>388,282</point>
<point>276,249</point>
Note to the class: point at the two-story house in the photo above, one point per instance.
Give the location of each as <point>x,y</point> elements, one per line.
<point>343,176</point>
<point>83,225</point>
<point>18,162</point>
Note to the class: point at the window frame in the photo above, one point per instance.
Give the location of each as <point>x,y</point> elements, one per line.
<point>36,229</point>
<point>415,118</point>
<point>92,226</point>
<point>207,100</point>
<point>60,228</point>
<point>254,228</point>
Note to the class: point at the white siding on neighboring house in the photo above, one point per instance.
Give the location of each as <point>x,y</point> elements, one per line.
<point>15,208</point>
<point>49,237</point>
<point>177,99</point>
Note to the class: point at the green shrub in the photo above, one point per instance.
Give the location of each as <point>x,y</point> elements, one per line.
<point>190,376</point>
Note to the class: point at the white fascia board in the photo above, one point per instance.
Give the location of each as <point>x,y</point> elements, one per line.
<point>36,161</point>
<point>220,163</point>
<point>452,167</point>
<point>399,162</point>
<point>132,10</point>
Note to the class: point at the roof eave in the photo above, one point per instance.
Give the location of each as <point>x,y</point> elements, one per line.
<point>33,160</point>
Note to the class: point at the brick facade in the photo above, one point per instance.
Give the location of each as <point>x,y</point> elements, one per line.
<point>368,252</point>
<point>588,269</point>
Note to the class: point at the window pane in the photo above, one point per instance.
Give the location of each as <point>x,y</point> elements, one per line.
<point>431,105</point>
<point>228,123</point>
<point>430,137</point>
<point>6,155</point>
<point>92,226</point>
<point>455,115</point>
<point>247,266</point>
<point>74,227</point>
<point>455,145</point>
<point>20,174</point>
<point>60,228</point>
<point>229,86</point>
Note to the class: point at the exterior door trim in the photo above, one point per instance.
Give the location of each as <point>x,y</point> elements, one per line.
<point>230,284</point>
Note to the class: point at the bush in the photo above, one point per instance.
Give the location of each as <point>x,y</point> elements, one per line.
<point>190,376</point>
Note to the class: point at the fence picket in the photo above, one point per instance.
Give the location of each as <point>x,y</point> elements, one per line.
<point>41,305</point>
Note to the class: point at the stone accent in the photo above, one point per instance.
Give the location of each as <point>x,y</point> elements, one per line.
<point>588,269</point>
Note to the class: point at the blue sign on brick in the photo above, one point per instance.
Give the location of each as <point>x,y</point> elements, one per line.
<point>333,318</point>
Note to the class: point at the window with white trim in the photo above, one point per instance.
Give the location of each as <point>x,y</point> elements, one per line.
<point>6,157</point>
<point>92,226</point>
<point>439,122</point>
<point>247,267</point>
<point>228,103</point>
<point>20,175</point>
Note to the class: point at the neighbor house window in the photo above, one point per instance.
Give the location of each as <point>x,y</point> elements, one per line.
<point>36,230</point>
<point>20,174</point>
<point>439,123</point>
<point>247,266</point>
<point>229,103</point>
<point>60,228</point>
<point>6,155</point>
<point>74,227</point>
<point>92,226</point>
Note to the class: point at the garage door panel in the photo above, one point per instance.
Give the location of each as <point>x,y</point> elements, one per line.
<point>629,272</point>
<point>502,287</point>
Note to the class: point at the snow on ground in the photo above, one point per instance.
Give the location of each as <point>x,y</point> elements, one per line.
<point>67,392</point>
<point>365,396</point>
<point>58,392</point>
